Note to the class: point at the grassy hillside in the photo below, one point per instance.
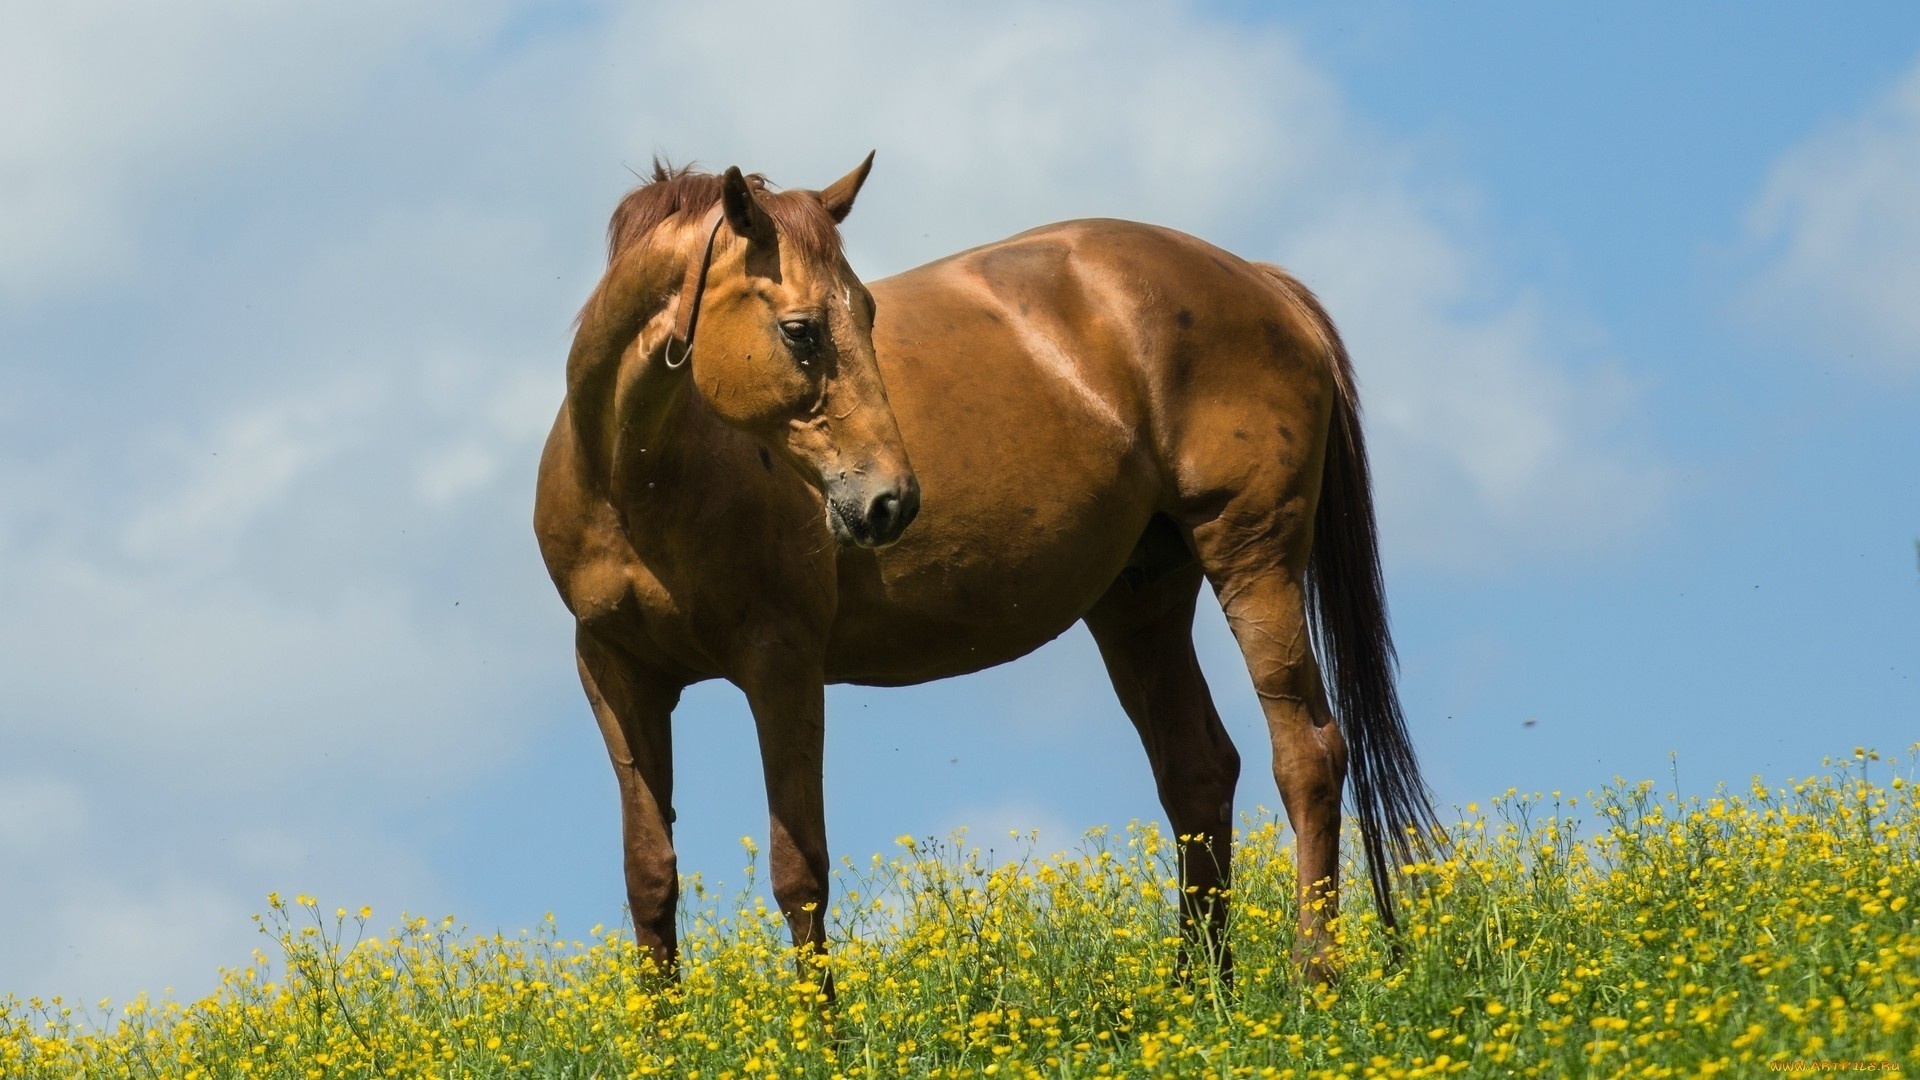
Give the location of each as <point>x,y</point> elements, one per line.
<point>1633,934</point>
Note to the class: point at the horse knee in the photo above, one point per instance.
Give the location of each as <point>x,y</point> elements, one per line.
<point>798,879</point>
<point>1215,786</point>
<point>653,886</point>
<point>1227,771</point>
<point>1198,795</point>
<point>1311,763</point>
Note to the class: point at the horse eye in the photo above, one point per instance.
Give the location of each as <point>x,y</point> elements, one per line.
<point>800,332</point>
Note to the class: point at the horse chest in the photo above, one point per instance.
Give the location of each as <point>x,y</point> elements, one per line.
<point>694,618</point>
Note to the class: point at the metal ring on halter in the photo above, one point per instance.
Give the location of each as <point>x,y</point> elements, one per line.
<point>696,283</point>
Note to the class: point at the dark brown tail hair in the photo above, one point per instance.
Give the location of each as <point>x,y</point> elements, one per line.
<point>1347,613</point>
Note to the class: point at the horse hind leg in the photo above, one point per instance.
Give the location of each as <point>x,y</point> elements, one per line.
<point>1256,561</point>
<point>1144,629</point>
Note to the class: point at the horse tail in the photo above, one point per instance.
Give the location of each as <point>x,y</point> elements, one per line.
<point>1347,615</point>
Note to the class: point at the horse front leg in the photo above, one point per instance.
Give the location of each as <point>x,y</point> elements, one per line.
<point>787,694</point>
<point>634,707</point>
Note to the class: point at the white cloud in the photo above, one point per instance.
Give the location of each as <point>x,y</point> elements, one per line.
<point>109,103</point>
<point>223,482</point>
<point>1840,215</point>
<point>227,626</point>
<point>39,814</point>
<point>94,920</point>
<point>454,471</point>
<point>1485,445</point>
<point>1012,829</point>
<point>98,941</point>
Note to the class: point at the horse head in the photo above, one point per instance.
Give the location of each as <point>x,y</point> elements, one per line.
<point>769,325</point>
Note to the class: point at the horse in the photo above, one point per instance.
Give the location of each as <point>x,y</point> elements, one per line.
<point>768,471</point>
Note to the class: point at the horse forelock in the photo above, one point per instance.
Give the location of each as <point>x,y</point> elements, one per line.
<point>681,192</point>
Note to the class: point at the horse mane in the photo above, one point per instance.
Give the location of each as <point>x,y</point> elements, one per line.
<point>681,191</point>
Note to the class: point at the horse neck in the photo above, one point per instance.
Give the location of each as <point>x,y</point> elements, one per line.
<point>621,394</point>
<point>663,427</point>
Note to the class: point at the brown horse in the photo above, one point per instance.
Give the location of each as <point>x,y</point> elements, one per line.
<point>1098,414</point>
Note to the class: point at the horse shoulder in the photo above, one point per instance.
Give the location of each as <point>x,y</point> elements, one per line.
<point>586,550</point>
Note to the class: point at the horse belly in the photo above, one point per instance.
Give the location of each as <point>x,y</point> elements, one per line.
<point>913,614</point>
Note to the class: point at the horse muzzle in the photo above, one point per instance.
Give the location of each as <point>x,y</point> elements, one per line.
<point>874,519</point>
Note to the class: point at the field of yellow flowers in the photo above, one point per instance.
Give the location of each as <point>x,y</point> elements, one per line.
<point>1635,933</point>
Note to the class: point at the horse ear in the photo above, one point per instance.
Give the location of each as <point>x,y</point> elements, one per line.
<point>838,196</point>
<point>742,209</point>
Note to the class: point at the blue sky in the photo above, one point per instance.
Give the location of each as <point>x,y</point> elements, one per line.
<point>284,298</point>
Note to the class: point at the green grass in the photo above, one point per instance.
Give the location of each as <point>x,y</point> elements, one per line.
<point>1632,934</point>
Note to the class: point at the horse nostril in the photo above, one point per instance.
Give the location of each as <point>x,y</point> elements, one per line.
<point>891,511</point>
<point>882,513</point>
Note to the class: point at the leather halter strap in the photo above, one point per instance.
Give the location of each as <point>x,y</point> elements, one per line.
<point>687,313</point>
